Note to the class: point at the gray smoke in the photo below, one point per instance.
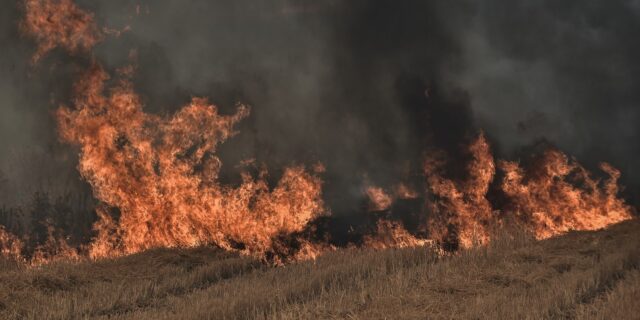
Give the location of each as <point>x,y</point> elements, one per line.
<point>566,71</point>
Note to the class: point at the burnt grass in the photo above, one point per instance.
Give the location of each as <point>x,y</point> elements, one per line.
<point>580,275</point>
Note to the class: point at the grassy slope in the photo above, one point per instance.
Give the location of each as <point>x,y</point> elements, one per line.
<point>581,275</point>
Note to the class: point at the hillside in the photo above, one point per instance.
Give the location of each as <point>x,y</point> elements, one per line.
<point>585,275</point>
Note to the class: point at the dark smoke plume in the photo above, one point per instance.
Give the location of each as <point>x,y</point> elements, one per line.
<point>363,86</point>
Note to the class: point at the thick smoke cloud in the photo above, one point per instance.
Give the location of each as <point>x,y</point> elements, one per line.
<point>345,84</point>
<point>566,71</point>
<point>31,158</point>
<point>363,86</point>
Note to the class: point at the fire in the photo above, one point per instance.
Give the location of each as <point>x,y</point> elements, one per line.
<point>54,249</point>
<point>161,174</point>
<point>551,197</point>
<point>390,234</point>
<point>59,23</point>
<point>378,199</point>
<point>558,195</point>
<point>10,246</point>
<point>403,191</point>
<point>461,214</point>
<point>156,178</point>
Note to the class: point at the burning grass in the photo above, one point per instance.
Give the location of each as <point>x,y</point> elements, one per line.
<point>161,208</point>
<point>586,275</point>
<point>156,179</point>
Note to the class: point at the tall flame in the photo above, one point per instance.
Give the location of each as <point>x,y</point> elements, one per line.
<point>552,196</point>
<point>157,178</point>
<point>461,213</point>
<point>161,173</point>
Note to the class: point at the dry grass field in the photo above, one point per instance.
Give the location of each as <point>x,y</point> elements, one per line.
<point>582,275</point>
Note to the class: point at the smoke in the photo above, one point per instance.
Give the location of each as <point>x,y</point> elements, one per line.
<point>563,71</point>
<point>364,87</point>
<point>31,158</point>
<point>345,84</point>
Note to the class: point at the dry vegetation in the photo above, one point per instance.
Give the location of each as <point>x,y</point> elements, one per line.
<point>584,275</point>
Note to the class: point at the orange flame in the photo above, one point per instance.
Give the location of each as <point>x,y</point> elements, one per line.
<point>462,214</point>
<point>550,204</point>
<point>378,199</point>
<point>161,173</point>
<point>54,249</point>
<point>10,246</point>
<point>160,176</point>
<point>59,23</point>
<point>402,191</point>
<point>390,234</point>
<point>541,198</point>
